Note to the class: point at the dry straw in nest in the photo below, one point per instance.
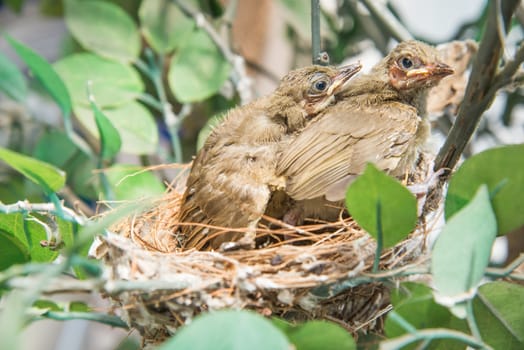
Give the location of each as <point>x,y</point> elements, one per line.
<point>325,277</point>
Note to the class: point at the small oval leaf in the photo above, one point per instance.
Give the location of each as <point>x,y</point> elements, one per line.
<point>164,26</point>
<point>462,250</point>
<point>104,28</point>
<point>45,74</point>
<point>51,179</point>
<point>398,212</point>
<point>198,70</point>
<point>503,173</point>
<point>46,305</point>
<point>231,330</point>
<point>112,83</point>
<point>12,82</point>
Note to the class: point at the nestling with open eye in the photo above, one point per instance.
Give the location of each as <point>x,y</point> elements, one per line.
<point>233,175</point>
<point>379,118</point>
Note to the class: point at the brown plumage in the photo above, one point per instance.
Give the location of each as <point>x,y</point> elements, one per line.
<point>379,118</point>
<point>233,175</point>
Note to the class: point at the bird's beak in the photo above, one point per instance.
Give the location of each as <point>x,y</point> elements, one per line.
<point>431,70</point>
<point>341,80</point>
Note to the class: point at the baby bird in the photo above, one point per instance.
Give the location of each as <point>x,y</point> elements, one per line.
<point>233,175</point>
<point>379,118</point>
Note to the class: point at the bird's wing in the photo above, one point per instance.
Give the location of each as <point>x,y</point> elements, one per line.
<point>230,190</point>
<point>336,147</point>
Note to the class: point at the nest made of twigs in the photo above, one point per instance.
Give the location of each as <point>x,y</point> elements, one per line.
<point>324,277</point>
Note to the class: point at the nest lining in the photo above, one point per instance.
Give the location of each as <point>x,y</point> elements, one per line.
<point>166,287</point>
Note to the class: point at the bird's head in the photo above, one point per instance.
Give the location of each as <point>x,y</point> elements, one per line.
<point>315,87</point>
<point>414,66</point>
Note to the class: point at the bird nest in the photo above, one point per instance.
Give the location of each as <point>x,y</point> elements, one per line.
<point>321,271</point>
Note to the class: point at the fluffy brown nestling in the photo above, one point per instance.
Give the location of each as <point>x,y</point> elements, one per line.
<point>233,175</point>
<point>380,118</point>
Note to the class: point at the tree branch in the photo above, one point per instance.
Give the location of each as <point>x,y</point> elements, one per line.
<point>479,93</point>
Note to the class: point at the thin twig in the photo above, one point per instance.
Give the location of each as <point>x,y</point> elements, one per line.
<point>506,272</point>
<point>385,18</point>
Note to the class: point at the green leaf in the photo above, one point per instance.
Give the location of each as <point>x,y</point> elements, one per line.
<point>228,330</point>
<point>112,83</point>
<point>46,305</point>
<point>398,212</point>
<point>12,82</point>
<point>503,173</point>
<point>56,148</point>
<point>103,28</point>
<point>13,188</point>
<point>29,233</point>
<point>462,250</point>
<point>132,182</point>
<point>46,75</point>
<point>67,231</point>
<point>164,26</point>
<point>110,141</point>
<point>198,69</point>
<point>15,5</point>
<point>415,303</point>
<point>135,124</point>
<point>12,251</point>
<point>51,8</point>
<point>78,306</point>
<point>317,335</point>
<point>498,313</point>
<point>51,179</point>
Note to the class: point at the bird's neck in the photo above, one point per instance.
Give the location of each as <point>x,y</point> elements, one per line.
<point>371,89</point>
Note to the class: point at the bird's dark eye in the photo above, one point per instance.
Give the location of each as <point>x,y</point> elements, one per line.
<point>321,85</point>
<point>406,62</point>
